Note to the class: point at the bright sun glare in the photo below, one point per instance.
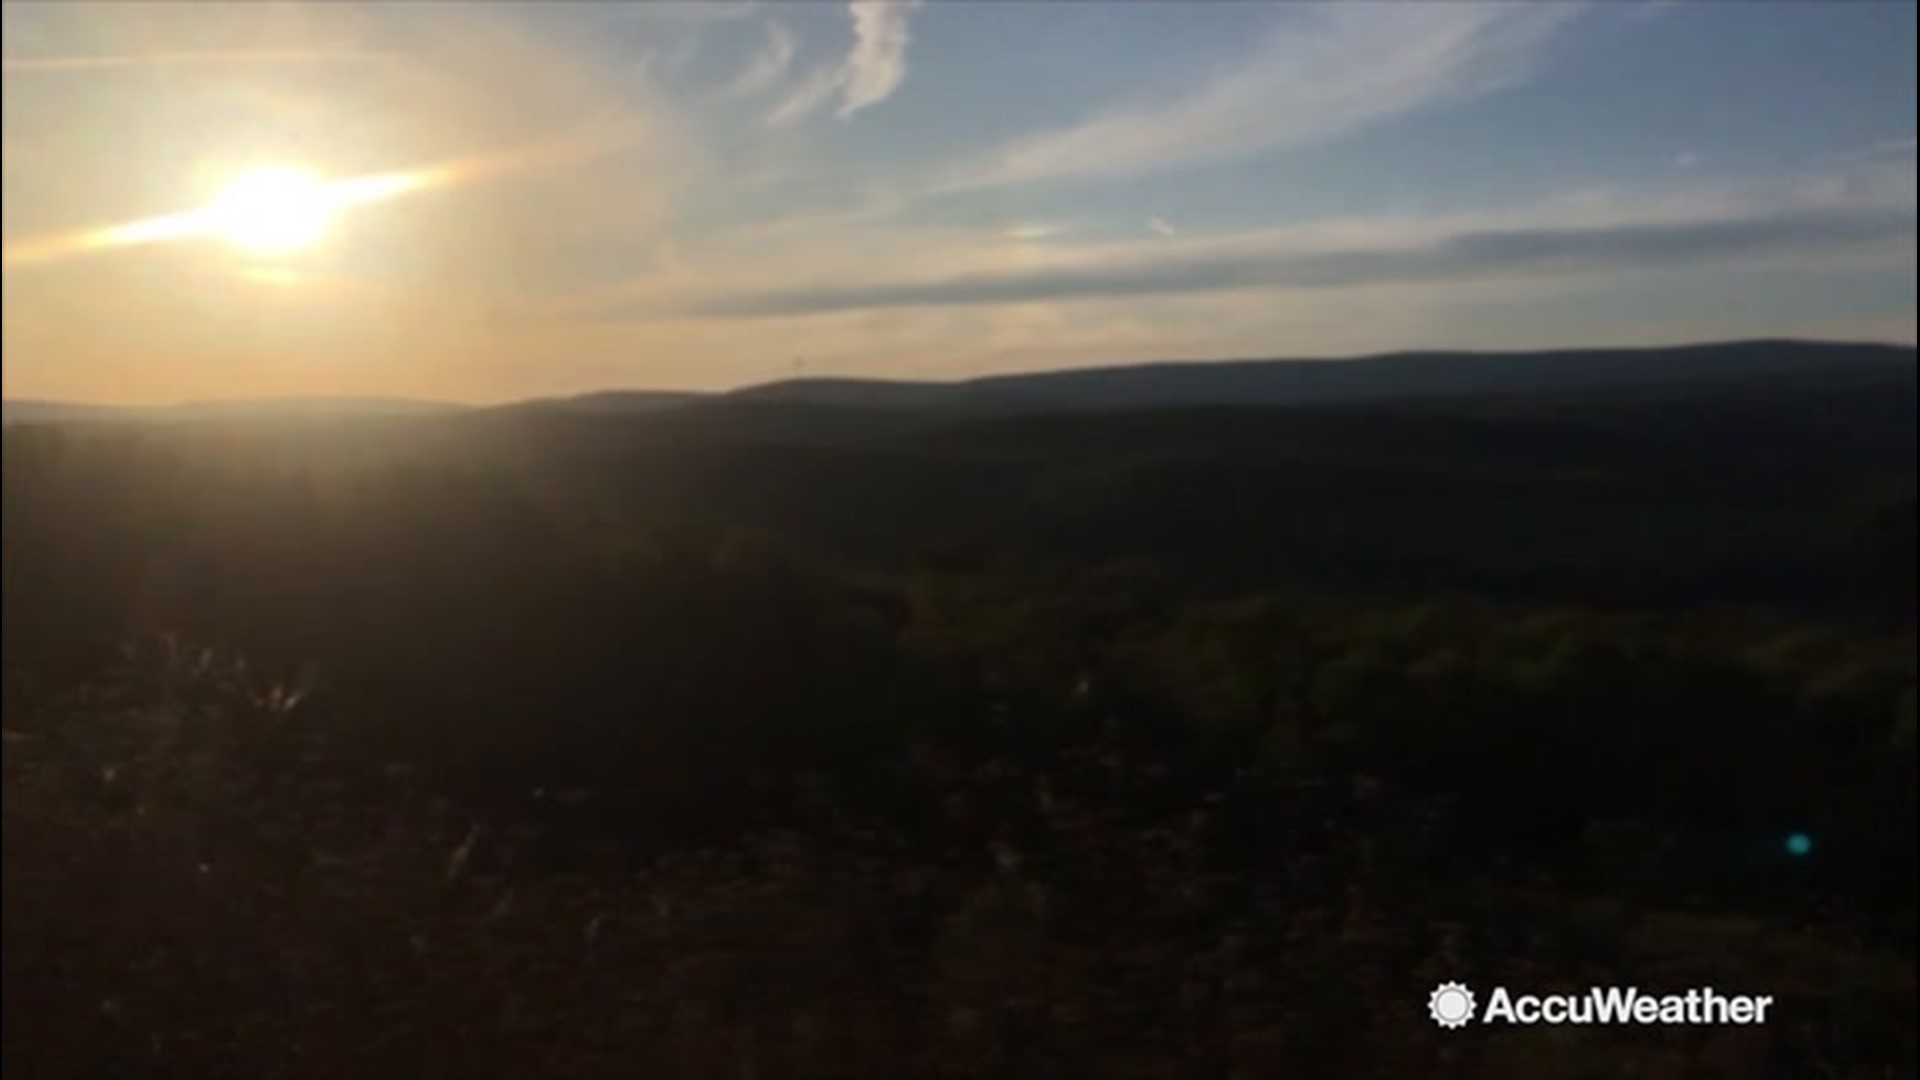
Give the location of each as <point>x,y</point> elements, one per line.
<point>273,210</point>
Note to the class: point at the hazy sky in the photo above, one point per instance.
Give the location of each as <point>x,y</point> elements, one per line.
<point>709,194</point>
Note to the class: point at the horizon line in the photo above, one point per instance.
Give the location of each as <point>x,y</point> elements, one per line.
<point>459,405</point>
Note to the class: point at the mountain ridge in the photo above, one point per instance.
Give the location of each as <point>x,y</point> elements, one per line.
<point>1399,375</point>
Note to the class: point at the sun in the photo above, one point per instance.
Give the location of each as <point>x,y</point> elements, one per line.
<point>273,210</point>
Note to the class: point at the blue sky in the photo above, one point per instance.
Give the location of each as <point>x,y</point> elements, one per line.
<point>707,194</point>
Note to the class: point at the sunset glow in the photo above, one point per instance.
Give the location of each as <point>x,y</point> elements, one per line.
<point>686,195</point>
<point>274,210</point>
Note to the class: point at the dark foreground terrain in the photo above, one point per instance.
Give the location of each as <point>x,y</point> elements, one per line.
<point>795,734</point>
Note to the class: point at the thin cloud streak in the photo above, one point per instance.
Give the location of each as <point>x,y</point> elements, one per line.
<point>768,64</point>
<point>806,98</point>
<point>874,68</point>
<point>878,64</point>
<point>1463,256</point>
<point>1904,146</point>
<point>1322,72</point>
<point>106,62</point>
<point>695,11</point>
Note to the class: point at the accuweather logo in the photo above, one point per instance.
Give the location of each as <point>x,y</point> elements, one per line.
<point>1452,1005</point>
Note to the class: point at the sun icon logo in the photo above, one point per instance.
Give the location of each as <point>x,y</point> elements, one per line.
<point>1450,1005</point>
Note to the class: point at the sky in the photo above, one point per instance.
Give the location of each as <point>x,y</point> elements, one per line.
<point>706,195</point>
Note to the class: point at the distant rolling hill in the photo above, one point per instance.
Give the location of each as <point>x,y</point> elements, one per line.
<point>1780,476</point>
<point>23,412</point>
<point>1784,481</point>
<point>613,402</point>
<point>48,412</point>
<point>1397,377</point>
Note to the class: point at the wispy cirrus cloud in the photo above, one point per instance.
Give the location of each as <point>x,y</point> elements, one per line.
<point>1323,71</point>
<point>767,65</point>
<point>806,97</point>
<point>1895,148</point>
<point>872,70</point>
<point>878,64</point>
<point>1862,214</point>
<point>690,11</point>
<point>187,58</point>
<point>1471,255</point>
<point>1651,9</point>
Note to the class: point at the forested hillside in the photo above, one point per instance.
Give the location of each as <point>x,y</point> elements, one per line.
<point>777,738</point>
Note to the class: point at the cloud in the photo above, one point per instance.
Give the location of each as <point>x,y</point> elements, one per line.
<point>1471,255</point>
<point>109,61</point>
<point>1686,159</point>
<point>871,72</point>
<point>878,63</point>
<point>812,92</point>
<point>534,191</point>
<point>1161,227</point>
<point>767,65</point>
<point>695,13</point>
<point>1322,72</point>
<point>695,10</point>
<point>1651,9</point>
<point>1900,146</point>
<point>956,262</point>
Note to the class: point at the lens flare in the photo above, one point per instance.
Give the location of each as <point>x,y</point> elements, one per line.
<point>282,209</point>
<point>274,210</point>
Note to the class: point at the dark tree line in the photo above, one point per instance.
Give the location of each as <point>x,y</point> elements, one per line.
<point>511,747</point>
